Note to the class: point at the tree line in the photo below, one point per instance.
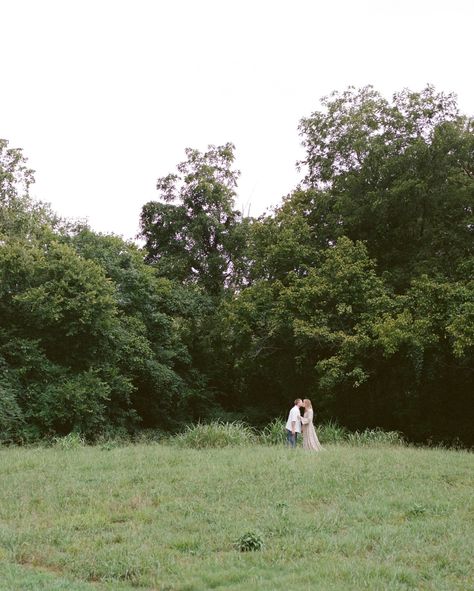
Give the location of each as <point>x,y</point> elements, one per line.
<point>357,291</point>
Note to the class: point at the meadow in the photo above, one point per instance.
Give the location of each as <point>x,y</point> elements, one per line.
<point>157,516</point>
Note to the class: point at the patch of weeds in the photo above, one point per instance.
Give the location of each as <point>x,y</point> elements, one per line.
<point>249,542</point>
<point>72,441</point>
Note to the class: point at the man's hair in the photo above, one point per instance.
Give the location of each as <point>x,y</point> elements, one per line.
<point>298,400</point>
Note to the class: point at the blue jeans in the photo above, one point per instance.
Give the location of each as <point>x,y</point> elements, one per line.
<point>291,438</point>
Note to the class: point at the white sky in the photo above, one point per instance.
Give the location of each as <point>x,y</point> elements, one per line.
<point>104,95</point>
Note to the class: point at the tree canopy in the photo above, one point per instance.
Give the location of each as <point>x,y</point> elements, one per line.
<point>356,292</point>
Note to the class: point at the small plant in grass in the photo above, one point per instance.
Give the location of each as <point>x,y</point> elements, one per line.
<point>417,510</point>
<point>215,434</point>
<point>72,441</point>
<point>249,542</point>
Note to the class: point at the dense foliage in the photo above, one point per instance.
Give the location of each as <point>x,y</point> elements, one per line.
<point>357,292</point>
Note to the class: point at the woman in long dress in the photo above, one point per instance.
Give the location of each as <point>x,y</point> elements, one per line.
<point>310,439</point>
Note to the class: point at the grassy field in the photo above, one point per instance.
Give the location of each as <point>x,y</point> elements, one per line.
<point>157,517</point>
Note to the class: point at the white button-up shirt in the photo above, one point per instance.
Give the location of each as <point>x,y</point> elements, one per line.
<point>294,416</point>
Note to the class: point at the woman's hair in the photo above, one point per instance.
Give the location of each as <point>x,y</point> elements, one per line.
<point>307,403</point>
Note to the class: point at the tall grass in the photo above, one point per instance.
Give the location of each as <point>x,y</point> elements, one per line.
<point>375,437</point>
<point>275,434</point>
<point>331,432</point>
<point>215,434</point>
<point>69,442</point>
<point>218,434</point>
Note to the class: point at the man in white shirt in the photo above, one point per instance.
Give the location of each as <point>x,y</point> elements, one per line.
<point>293,425</point>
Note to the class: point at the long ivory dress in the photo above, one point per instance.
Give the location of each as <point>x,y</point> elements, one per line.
<point>310,439</point>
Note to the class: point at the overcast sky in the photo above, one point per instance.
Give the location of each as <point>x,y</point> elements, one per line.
<point>104,95</point>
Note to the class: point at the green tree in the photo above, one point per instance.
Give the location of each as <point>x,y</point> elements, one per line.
<point>194,234</point>
<point>159,322</point>
<point>285,335</point>
<point>19,214</point>
<point>15,176</point>
<point>399,175</point>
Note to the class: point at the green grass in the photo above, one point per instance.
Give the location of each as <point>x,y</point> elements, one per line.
<point>164,518</point>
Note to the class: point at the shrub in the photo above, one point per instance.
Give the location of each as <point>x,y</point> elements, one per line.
<point>70,403</point>
<point>249,542</point>
<point>215,434</point>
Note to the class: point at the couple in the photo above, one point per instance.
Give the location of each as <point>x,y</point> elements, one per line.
<point>296,421</point>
